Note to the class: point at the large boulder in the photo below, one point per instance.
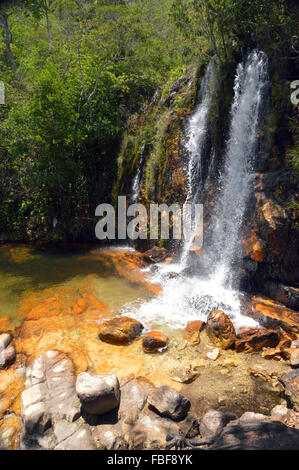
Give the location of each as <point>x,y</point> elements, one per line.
<point>291,384</point>
<point>120,330</point>
<point>213,422</point>
<point>220,330</point>
<point>169,403</point>
<point>98,394</point>
<point>49,392</point>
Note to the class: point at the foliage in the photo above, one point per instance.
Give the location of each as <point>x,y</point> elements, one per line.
<point>82,68</point>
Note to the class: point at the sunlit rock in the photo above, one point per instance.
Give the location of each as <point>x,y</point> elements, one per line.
<point>220,329</point>
<point>256,339</point>
<point>154,341</point>
<point>98,394</point>
<point>120,330</point>
<point>213,422</point>
<point>49,392</point>
<point>169,403</point>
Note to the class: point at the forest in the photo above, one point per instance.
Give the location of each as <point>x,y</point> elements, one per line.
<point>77,71</point>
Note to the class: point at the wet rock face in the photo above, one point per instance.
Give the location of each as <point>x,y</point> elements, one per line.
<point>213,422</point>
<point>121,330</point>
<point>286,295</point>
<point>291,384</point>
<point>7,350</point>
<point>154,341</point>
<point>49,392</point>
<point>169,403</point>
<point>256,339</point>
<point>98,394</point>
<point>220,329</point>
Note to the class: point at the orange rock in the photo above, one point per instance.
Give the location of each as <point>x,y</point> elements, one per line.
<point>253,247</point>
<point>220,330</point>
<point>195,249</point>
<point>4,324</point>
<point>128,264</point>
<point>192,331</point>
<point>265,309</point>
<point>256,339</point>
<point>154,341</point>
<point>196,325</point>
<point>120,330</point>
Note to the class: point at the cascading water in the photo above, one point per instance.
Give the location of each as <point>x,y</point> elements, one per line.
<point>191,298</point>
<point>236,181</point>
<point>136,184</point>
<point>195,141</point>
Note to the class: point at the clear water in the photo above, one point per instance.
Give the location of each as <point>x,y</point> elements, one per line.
<point>25,270</point>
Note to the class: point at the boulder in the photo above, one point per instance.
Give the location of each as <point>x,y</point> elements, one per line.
<point>49,393</point>
<point>256,339</point>
<point>193,330</point>
<point>98,394</point>
<point>294,359</point>
<point>169,403</point>
<point>251,417</point>
<point>154,341</point>
<point>7,356</point>
<point>133,399</point>
<point>291,384</point>
<point>220,330</point>
<point>213,422</point>
<point>279,413</point>
<point>196,325</point>
<point>5,340</point>
<point>120,330</point>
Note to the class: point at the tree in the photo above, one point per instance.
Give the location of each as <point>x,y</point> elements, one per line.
<point>39,8</point>
<point>9,14</point>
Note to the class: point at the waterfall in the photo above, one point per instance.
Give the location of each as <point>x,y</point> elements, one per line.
<point>136,183</point>
<point>236,182</point>
<point>195,141</point>
<point>186,298</point>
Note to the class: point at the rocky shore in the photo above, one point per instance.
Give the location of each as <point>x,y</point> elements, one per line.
<point>73,376</point>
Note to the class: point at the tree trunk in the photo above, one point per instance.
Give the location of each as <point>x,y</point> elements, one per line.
<point>7,40</point>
